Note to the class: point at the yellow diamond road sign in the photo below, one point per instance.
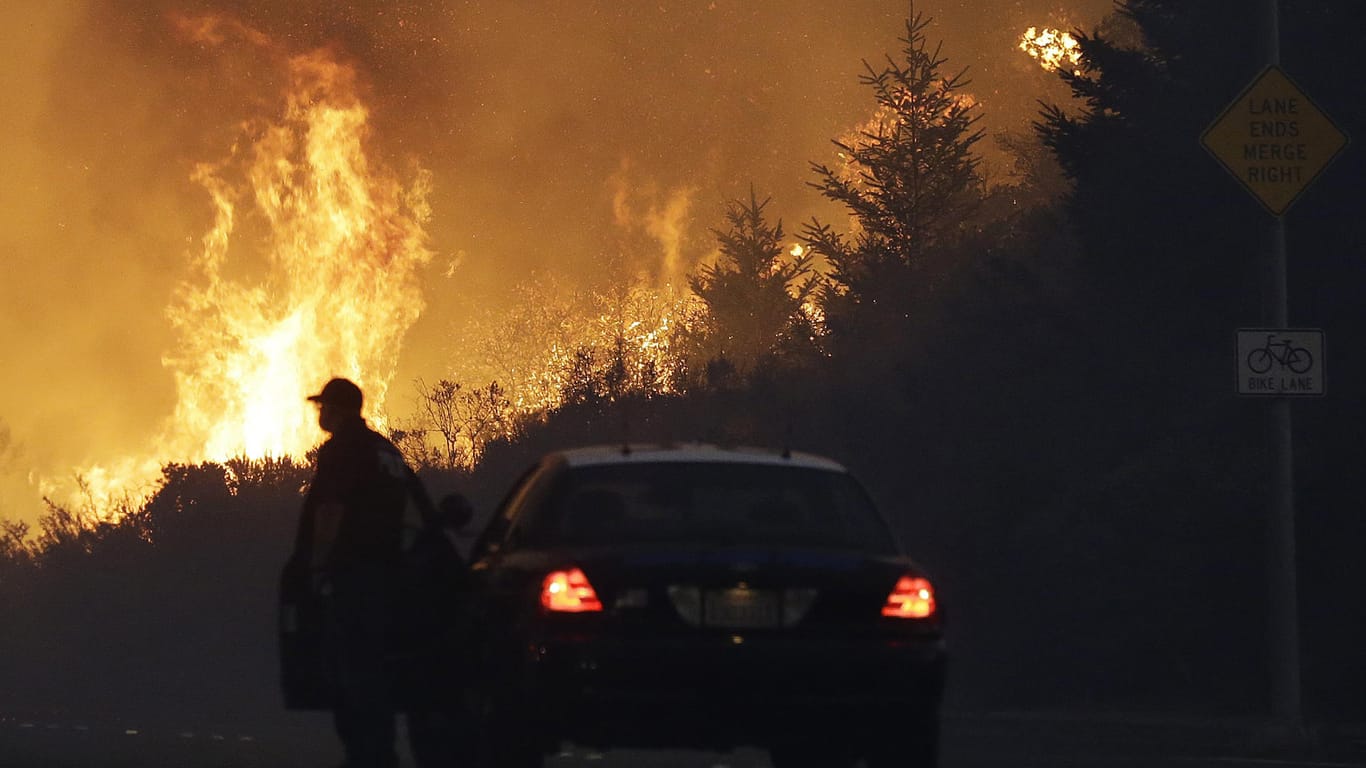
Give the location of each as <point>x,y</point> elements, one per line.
<point>1274,139</point>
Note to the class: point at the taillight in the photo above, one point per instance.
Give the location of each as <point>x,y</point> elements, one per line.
<point>911,598</point>
<point>569,592</point>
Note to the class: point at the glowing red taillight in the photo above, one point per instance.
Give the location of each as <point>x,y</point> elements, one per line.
<point>569,592</point>
<point>911,598</point>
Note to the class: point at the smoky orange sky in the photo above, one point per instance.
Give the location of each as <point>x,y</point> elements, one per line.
<point>572,140</point>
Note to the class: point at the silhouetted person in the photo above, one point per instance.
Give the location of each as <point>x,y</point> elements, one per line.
<point>349,561</point>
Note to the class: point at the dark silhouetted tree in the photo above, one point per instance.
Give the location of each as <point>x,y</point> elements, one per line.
<point>1171,261</point>
<point>755,292</point>
<point>910,181</point>
<point>463,421</point>
<point>1155,213</point>
<point>15,546</point>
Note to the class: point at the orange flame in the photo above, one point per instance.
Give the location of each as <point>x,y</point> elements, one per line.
<point>1052,48</point>
<point>328,288</point>
<point>340,288</point>
<point>531,351</point>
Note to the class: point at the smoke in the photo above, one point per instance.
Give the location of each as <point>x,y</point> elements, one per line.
<point>579,139</point>
<point>662,217</point>
<point>7,450</point>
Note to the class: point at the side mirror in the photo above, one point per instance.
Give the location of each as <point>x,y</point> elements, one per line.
<point>455,511</point>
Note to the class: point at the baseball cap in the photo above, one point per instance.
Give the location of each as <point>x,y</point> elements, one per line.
<point>341,393</point>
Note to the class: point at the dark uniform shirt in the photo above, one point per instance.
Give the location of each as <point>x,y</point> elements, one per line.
<point>353,515</point>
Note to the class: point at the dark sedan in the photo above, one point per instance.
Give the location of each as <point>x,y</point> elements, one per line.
<point>703,598</point>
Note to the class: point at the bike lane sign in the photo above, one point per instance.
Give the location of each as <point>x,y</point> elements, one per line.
<point>1280,362</point>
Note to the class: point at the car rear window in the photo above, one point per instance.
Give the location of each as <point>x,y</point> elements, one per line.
<point>748,504</point>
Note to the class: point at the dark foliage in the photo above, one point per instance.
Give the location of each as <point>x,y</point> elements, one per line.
<point>754,294</point>
<point>1175,259</point>
<point>910,181</point>
<point>167,612</point>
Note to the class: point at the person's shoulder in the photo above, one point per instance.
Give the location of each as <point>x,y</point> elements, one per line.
<point>385,453</point>
<point>380,440</point>
<point>329,448</point>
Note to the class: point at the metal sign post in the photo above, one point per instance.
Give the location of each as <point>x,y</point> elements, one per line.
<point>1276,141</point>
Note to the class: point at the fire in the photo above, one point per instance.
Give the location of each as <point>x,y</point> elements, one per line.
<point>328,287</point>
<point>1052,48</point>
<point>554,335</point>
<point>339,289</point>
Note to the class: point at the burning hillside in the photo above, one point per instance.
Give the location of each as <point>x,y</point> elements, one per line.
<point>212,206</point>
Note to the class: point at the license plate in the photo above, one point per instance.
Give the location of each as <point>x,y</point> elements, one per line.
<point>741,609</point>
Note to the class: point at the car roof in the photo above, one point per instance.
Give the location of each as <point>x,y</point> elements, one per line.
<point>651,453</point>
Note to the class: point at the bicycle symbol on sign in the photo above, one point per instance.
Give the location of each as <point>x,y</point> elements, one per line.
<point>1284,352</point>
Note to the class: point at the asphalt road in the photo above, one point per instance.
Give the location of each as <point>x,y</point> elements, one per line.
<point>994,741</point>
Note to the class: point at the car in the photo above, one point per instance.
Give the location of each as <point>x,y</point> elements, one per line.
<point>706,598</point>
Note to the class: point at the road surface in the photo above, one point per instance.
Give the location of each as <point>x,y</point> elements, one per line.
<point>300,740</point>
